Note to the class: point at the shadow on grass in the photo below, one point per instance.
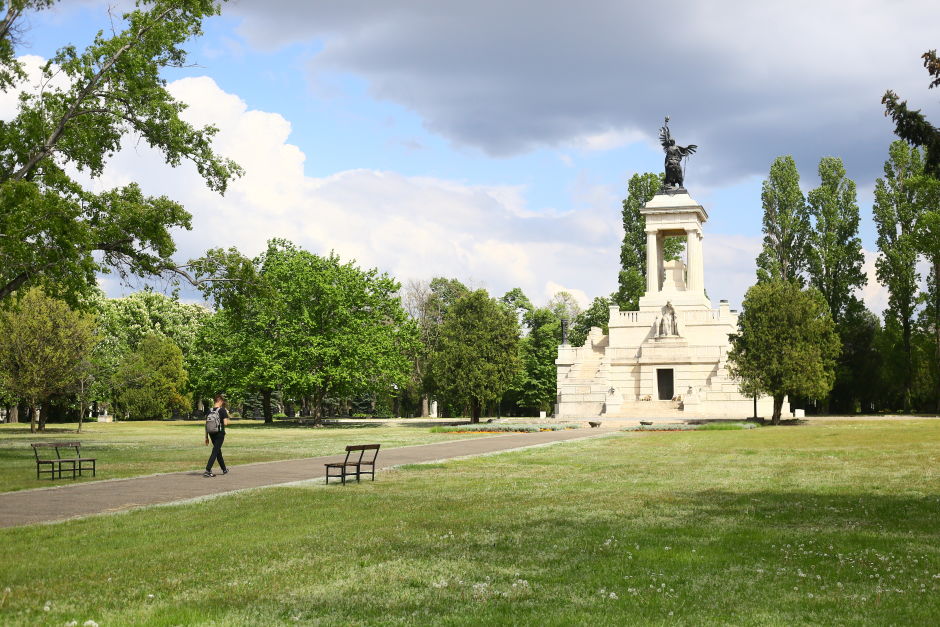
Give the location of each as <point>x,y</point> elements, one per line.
<point>47,431</point>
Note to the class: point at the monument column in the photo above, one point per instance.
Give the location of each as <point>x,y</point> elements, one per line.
<point>696,271</point>
<point>652,263</point>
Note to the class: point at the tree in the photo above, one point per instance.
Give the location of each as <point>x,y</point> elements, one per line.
<point>426,304</point>
<point>597,315</point>
<point>564,305</point>
<point>308,325</point>
<point>786,343</point>
<point>43,349</point>
<point>834,252</point>
<point>912,126</point>
<point>896,211</point>
<point>124,322</point>
<point>150,382</point>
<point>538,374</point>
<point>57,234</point>
<point>858,385</point>
<point>476,359</point>
<point>632,280</point>
<point>786,224</point>
<point>927,240</point>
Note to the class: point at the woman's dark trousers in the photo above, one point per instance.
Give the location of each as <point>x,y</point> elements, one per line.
<point>217,439</point>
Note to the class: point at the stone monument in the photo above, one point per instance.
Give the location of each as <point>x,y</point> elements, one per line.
<point>668,358</point>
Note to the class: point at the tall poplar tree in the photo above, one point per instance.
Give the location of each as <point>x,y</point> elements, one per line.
<point>834,254</point>
<point>786,224</point>
<point>632,280</point>
<point>896,211</point>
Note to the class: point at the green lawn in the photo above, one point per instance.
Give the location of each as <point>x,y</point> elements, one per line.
<point>128,449</point>
<point>835,523</point>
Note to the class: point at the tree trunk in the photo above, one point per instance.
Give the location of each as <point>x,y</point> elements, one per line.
<point>32,419</point>
<point>13,414</point>
<point>778,406</point>
<point>266,406</point>
<point>474,411</point>
<point>908,366</point>
<point>936,328</point>
<point>425,406</point>
<point>44,414</point>
<point>81,414</point>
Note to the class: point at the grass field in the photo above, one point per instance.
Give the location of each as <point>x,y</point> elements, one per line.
<point>834,523</point>
<point>128,449</point>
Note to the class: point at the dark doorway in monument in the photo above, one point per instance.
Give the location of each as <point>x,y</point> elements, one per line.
<point>664,383</point>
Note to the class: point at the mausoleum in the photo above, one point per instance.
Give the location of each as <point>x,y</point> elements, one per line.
<point>668,358</point>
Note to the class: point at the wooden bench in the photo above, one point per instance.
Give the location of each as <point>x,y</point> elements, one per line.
<point>76,464</point>
<point>350,467</point>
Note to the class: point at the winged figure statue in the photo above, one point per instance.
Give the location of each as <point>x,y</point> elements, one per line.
<point>674,156</point>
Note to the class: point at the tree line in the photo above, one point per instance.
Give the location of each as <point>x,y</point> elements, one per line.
<point>298,332</point>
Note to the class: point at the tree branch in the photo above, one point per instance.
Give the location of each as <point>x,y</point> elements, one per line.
<point>49,145</point>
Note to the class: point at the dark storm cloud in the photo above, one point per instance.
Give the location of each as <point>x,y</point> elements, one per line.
<point>747,81</point>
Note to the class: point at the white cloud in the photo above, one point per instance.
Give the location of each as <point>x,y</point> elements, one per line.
<point>411,227</point>
<point>874,293</point>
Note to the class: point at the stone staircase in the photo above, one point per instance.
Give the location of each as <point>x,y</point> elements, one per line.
<point>648,409</point>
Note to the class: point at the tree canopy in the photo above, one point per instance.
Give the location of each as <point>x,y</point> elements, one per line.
<point>834,250</point>
<point>912,125</point>
<point>786,343</point>
<point>786,224</point>
<point>476,359</point>
<point>58,234</point>
<point>44,348</point>
<point>308,325</point>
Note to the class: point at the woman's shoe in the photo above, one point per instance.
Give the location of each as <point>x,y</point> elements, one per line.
<point>208,474</point>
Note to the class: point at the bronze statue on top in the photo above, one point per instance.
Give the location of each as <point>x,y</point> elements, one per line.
<point>674,156</point>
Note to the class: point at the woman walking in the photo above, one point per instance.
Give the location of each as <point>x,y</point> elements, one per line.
<point>215,431</point>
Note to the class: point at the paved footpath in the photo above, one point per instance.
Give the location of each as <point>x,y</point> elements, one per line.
<point>97,497</point>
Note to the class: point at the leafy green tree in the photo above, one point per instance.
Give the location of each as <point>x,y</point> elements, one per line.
<point>426,302</point>
<point>538,378</point>
<point>57,234</point>
<point>44,346</point>
<point>150,382</point>
<point>927,239</point>
<point>632,280</point>
<point>124,322</point>
<point>912,126</point>
<point>786,224</point>
<point>786,343</point>
<point>834,253</point>
<point>896,211</point>
<point>476,359</point>
<point>597,315</point>
<point>308,325</point>
<point>859,371</point>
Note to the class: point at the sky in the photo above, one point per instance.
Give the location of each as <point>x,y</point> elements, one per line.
<point>492,141</point>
